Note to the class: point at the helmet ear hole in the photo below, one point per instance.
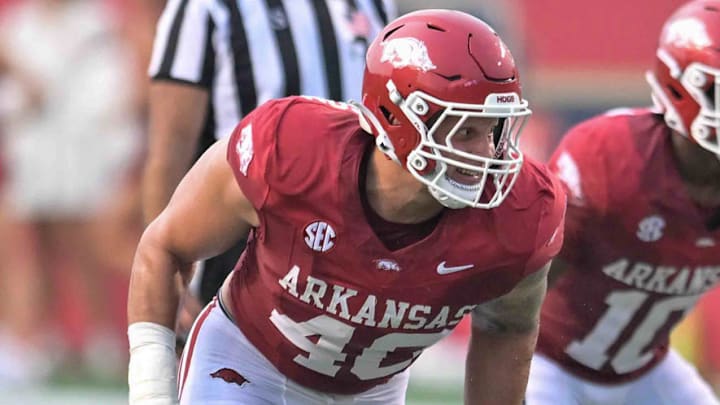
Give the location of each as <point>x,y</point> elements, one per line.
<point>389,117</point>
<point>675,93</point>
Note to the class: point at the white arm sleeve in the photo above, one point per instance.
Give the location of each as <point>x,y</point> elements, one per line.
<point>152,372</point>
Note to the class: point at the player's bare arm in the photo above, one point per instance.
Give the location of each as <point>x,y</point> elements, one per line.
<point>504,333</point>
<point>177,114</point>
<point>205,216</point>
<point>179,236</point>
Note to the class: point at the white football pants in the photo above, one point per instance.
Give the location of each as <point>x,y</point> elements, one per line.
<point>216,343</point>
<point>672,382</point>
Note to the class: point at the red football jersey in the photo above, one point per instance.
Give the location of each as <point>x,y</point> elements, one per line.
<point>639,251</point>
<point>319,294</point>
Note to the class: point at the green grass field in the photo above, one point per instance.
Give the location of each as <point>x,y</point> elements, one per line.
<point>89,391</point>
<point>79,395</point>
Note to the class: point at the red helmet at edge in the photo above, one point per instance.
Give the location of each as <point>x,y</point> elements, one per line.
<point>686,77</point>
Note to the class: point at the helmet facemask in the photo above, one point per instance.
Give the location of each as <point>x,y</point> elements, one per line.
<point>436,155</point>
<point>702,82</point>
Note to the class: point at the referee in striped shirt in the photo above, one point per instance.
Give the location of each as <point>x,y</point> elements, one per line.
<point>214,61</point>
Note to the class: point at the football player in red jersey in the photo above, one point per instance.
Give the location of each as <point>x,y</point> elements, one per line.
<point>642,236</point>
<point>375,227</point>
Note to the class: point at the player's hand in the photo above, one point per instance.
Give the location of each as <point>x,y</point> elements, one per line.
<point>190,307</point>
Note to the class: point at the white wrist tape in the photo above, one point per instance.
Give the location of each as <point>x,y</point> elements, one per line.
<point>152,372</point>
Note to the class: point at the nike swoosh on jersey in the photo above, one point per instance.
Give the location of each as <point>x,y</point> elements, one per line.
<point>443,269</point>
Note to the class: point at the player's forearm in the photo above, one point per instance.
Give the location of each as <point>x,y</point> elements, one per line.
<point>503,339</point>
<point>152,307</point>
<point>154,292</point>
<point>497,367</point>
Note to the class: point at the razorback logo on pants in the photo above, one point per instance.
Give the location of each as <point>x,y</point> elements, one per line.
<point>229,376</point>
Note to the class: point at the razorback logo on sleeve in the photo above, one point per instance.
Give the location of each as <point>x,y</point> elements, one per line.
<point>568,173</point>
<point>244,148</point>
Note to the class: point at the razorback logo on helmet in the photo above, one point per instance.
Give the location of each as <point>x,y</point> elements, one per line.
<point>687,32</point>
<point>407,52</point>
<point>229,376</point>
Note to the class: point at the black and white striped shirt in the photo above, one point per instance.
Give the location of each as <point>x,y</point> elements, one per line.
<point>246,52</point>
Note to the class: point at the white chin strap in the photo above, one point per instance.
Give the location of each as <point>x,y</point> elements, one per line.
<point>491,189</point>
<point>448,201</point>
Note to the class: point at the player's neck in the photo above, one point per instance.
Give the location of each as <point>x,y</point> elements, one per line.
<point>696,165</point>
<point>700,171</point>
<point>395,195</point>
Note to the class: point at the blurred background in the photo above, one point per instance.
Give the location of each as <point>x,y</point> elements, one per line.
<point>72,137</point>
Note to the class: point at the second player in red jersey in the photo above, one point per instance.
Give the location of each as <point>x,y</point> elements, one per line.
<point>639,250</point>
<point>642,235</point>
